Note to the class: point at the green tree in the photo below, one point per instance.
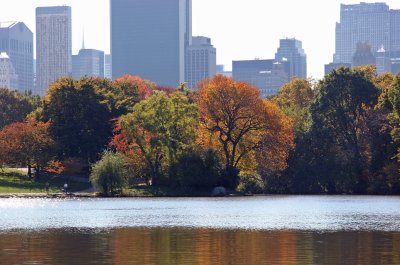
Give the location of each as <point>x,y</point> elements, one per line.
<point>197,169</point>
<point>159,129</point>
<point>340,131</point>
<point>109,175</point>
<point>14,106</point>
<point>80,121</point>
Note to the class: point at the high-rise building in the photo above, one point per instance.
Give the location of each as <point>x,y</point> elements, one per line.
<point>107,66</point>
<point>373,23</point>
<point>53,45</point>
<point>383,63</point>
<point>88,62</point>
<point>332,66</point>
<point>8,76</point>
<point>292,51</point>
<point>201,61</point>
<point>16,40</point>
<point>267,75</point>
<point>149,39</point>
<point>394,30</point>
<point>363,55</point>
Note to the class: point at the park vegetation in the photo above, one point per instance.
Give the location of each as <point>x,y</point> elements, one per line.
<point>339,135</point>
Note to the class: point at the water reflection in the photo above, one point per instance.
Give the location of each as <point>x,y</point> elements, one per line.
<point>198,246</point>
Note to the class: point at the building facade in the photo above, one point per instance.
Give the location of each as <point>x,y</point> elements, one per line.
<point>53,45</point>
<point>8,76</point>
<point>108,66</point>
<point>332,66</point>
<point>88,62</point>
<point>292,51</point>
<point>16,40</point>
<point>363,55</point>
<point>149,39</point>
<point>373,23</point>
<point>267,75</point>
<point>201,61</point>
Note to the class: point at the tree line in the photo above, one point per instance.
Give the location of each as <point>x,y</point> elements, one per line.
<point>337,135</point>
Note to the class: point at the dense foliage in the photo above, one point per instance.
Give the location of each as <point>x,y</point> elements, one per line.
<point>340,135</point>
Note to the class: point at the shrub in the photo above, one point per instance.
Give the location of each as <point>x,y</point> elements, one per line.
<point>251,183</point>
<point>109,175</point>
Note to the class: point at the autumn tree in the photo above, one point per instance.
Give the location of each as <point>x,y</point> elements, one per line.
<point>241,126</point>
<point>158,130</point>
<point>14,106</point>
<point>295,98</point>
<point>26,144</point>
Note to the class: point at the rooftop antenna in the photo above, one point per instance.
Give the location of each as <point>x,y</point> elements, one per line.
<point>83,38</point>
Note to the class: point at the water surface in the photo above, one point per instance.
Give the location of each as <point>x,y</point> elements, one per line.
<point>251,230</point>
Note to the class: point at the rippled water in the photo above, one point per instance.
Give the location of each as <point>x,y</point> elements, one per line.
<point>310,213</point>
<point>251,230</point>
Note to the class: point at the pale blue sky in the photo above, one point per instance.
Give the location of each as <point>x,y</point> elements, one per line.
<point>240,29</point>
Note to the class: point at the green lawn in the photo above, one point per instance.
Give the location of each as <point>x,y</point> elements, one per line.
<point>14,181</point>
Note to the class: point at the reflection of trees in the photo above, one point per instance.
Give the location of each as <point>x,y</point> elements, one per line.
<point>199,246</point>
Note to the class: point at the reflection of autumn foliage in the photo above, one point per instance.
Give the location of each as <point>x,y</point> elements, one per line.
<point>241,126</point>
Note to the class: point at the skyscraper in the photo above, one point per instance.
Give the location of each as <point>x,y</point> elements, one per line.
<point>292,51</point>
<point>53,45</point>
<point>108,66</point>
<point>373,23</point>
<point>16,40</point>
<point>8,77</point>
<point>267,75</point>
<point>149,39</point>
<point>88,62</point>
<point>201,61</point>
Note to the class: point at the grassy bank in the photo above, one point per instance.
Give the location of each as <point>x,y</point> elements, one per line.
<point>155,191</point>
<point>14,181</point>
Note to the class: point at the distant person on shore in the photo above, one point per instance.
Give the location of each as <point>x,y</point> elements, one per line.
<point>47,187</point>
<point>66,188</point>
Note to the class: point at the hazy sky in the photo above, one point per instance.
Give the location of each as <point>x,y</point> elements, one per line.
<point>239,29</point>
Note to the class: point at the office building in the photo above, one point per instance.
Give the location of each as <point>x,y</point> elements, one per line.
<point>8,76</point>
<point>107,66</point>
<point>332,66</point>
<point>88,62</point>
<point>292,51</point>
<point>53,45</point>
<point>16,40</point>
<point>394,31</point>
<point>373,23</point>
<point>266,75</point>
<point>383,63</point>
<point>149,39</point>
<point>201,61</point>
<point>363,55</point>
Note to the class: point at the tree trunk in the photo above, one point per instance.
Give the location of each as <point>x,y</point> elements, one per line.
<point>29,171</point>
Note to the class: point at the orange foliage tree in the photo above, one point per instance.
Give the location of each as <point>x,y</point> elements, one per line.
<point>247,132</point>
<point>26,144</point>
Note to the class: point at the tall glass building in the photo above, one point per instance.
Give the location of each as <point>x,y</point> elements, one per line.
<point>89,62</point>
<point>53,45</point>
<point>373,23</point>
<point>16,40</point>
<point>292,51</point>
<point>149,39</point>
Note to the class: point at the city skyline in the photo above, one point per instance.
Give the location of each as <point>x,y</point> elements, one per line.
<point>236,39</point>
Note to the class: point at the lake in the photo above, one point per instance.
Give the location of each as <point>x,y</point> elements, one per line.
<point>234,230</point>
